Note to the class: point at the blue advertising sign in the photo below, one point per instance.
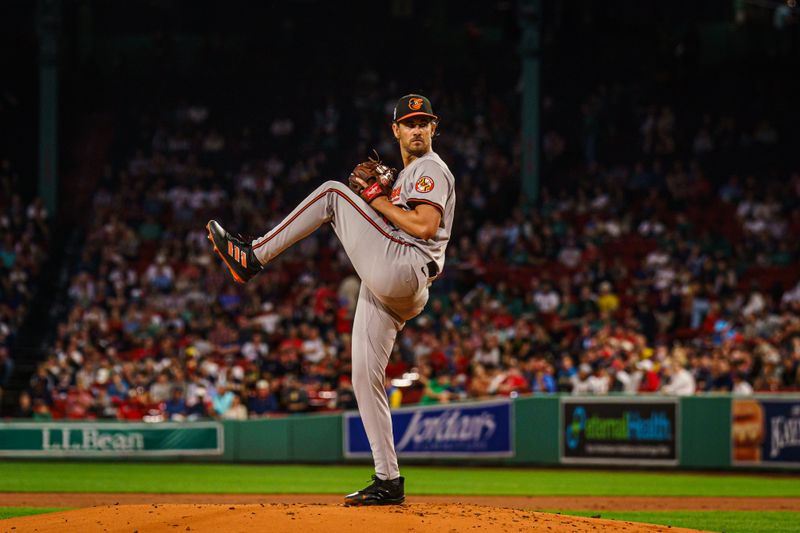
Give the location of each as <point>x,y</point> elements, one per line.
<point>454,430</point>
<point>766,431</point>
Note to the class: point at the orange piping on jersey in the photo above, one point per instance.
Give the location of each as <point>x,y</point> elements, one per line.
<point>421,201</point>
<point>350,201</point>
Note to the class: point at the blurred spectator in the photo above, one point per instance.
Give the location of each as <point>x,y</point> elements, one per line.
<point>175,407</point>
<point>650,381</point>
<point>24,406</point>
<point>263,402</point>
<point>543,379</point>
<point>294,397</point>
<point>236,411</point>
<point>511,382</point>
<point>24,240</point>
<point>222,401</point>
<point>160,390</point>
<point>599,382</point>
<point>678,380</point>
<point>394,394</point>
<point>345,396</point>
<point>6,370</point>
<point>659,254</point>
<point>41,412</point>
<point>580,381</point>
<point>740,386</point>
<point>437,389</point>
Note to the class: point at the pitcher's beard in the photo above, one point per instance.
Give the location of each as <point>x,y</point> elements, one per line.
<point>417,149</point>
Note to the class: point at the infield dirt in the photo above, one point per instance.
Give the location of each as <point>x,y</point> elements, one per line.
<point>314,518</point>
<point>589,503</point>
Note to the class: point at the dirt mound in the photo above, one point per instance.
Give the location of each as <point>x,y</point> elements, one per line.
<point>533,503</point>
<point>312,518</point>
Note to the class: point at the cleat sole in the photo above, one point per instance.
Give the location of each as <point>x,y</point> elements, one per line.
<point>354,503</point>
<point>235,276</point>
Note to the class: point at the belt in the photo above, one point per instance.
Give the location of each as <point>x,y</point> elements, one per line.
<point>433,269</point>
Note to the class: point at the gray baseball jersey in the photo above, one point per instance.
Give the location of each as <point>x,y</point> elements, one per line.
<point>427,180</point>
<point>391,265</point>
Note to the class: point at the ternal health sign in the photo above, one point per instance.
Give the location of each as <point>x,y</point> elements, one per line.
<point>456,430</point>
<point>619,430</point>
<point>110,439</point>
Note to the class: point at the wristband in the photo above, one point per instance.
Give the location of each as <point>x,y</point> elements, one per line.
<point>372,192</point>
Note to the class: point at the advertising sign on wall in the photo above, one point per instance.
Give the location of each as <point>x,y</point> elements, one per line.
<point>765,432</point>
<point>99,439</point>
<point>619,430</point>
<point>456,430</point>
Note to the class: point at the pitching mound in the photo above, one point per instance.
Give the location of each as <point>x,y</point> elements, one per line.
<point>311,518</point>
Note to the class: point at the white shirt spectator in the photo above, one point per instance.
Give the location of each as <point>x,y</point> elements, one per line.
<point>742,388</point>
<point>598,384</point>
<point>681,384</point>
<point>570,256</point>
<point>635,380</point>
<point>791,296</point>
<point>627,382</point>
<point>612,227</point>
<point>487,356</point>
<point>252,351</point>
<point>599,202</point>
<point>755,226</point>
<point>648,228</point>
<point>547,301</point>
<point>268,320</point>
<point>197,199</point>
<point>581,386</point>
<point>745,208</point>
<point>216,197</point>
<point>657,258</point>
<point>314,350</point>
<point>37,211</point>
<point>664,277</point>
<point>160,273</point>
<point>755,304</point>
<point>178,196</point>
<point>237,411</point>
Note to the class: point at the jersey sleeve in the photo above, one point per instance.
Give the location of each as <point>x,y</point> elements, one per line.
<point>429,186</point>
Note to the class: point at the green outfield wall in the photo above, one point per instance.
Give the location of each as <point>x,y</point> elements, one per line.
<point>713,432</point>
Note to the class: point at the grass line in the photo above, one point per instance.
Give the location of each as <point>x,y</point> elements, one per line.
<point>727,521</point>
<point>13,512</point>
<point>31,476</point>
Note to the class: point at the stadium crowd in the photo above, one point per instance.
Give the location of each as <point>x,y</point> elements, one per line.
<point>24,237</point>
<point>654,274</point>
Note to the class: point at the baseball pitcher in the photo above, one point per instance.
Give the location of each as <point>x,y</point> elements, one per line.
<point>395,229</point>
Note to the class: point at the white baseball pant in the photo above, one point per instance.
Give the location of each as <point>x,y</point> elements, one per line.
<point>394,289</point>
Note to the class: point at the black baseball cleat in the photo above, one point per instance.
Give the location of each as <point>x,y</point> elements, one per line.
<point>380,492</point>
<point>237,254</point>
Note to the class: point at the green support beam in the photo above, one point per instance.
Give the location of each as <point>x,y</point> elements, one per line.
<point>48,23</point>
<point>530,23</point>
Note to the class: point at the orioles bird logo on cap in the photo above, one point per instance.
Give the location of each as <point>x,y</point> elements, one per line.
<point>414,103</point>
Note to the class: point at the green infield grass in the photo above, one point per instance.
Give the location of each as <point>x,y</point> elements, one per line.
<point>727,521</point>
<point>13,512</point>
<point>29,476</point>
